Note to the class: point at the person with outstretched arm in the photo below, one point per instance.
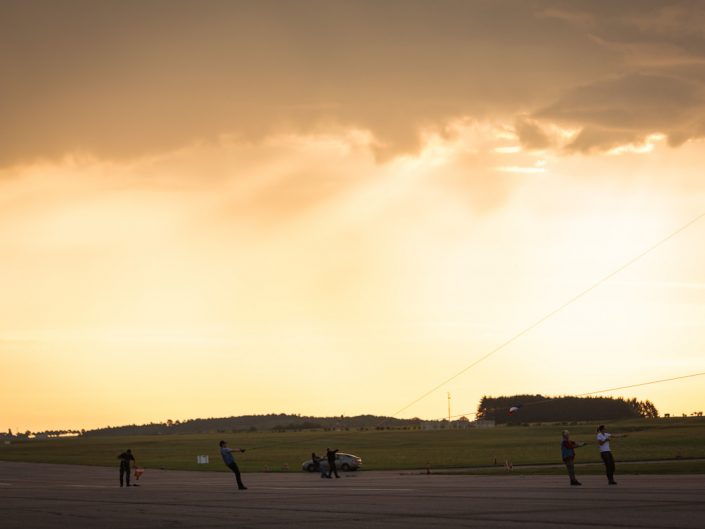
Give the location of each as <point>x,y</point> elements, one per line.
<point>330,455</point>
<point>568,453</point>
<point>125,459</point>
<point>603,439</point>
<point>229,460</point>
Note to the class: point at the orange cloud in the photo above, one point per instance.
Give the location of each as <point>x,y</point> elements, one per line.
<point>121,80</point>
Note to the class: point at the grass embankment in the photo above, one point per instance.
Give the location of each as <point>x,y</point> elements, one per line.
<point>655,439</point>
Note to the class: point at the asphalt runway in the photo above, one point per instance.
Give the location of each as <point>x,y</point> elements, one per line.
<point>41,496</point>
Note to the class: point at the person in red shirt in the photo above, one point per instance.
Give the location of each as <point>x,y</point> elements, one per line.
<point>568,452</point>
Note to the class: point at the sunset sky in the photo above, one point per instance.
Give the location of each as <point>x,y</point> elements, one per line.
<point>329,207</point>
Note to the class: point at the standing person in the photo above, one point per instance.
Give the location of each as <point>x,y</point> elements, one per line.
<point>125,458</point>
<point>229,461</point>
<point>330,455</point>
<point>603,438</point>
<point>568,453</point>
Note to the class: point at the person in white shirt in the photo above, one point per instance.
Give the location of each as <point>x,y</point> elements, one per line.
<point>603,440</point>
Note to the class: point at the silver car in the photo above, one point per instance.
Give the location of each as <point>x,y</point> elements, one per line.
<point>343,462</point>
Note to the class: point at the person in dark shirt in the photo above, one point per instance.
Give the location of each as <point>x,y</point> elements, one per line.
<point>229,460</point>
<point>330,455</point>
<point>125,458</point>
<point>316,463</point>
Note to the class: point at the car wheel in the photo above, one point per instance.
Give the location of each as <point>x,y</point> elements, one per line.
<point>345,467</point>
<point>310,468</point>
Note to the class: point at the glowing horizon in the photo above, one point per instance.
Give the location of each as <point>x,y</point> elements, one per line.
<point>184,239</point>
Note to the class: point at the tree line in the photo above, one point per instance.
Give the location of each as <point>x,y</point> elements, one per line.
<point>268,422</point>
<point>540,408</point>
<point>530,409</point>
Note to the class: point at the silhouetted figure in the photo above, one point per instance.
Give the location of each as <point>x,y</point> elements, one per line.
<point>229,461</point>
<point>603,439</point>
<point>317,467</point>
<point>330,455</point>
<point>125,458</point>
<point>568,453</point>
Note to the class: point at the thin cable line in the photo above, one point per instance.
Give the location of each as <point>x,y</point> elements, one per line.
<point>553,312</point>
<point>642,384</point>
<point>595,392</point>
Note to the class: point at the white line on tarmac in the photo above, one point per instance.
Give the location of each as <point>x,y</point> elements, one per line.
<point>93,486</point>
<point>363,489</point>
<point>178,485</point>
<point>5,484</point>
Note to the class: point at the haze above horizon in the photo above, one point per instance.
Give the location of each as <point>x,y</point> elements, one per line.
<point>330,207</point>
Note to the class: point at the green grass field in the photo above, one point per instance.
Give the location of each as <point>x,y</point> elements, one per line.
<point>655,439</point>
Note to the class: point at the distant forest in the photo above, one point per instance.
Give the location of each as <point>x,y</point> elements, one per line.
<point>270,422</point>
<point>539,408</point>
<point>529,409</point>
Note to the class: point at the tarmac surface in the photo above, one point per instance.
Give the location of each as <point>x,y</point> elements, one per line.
<point>41,496</point>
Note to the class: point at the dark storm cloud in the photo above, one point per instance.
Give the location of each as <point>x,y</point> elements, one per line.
<point>624,109</point>
<point>121,79</point>
<point>661,87</point>
<point>531,135</point>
